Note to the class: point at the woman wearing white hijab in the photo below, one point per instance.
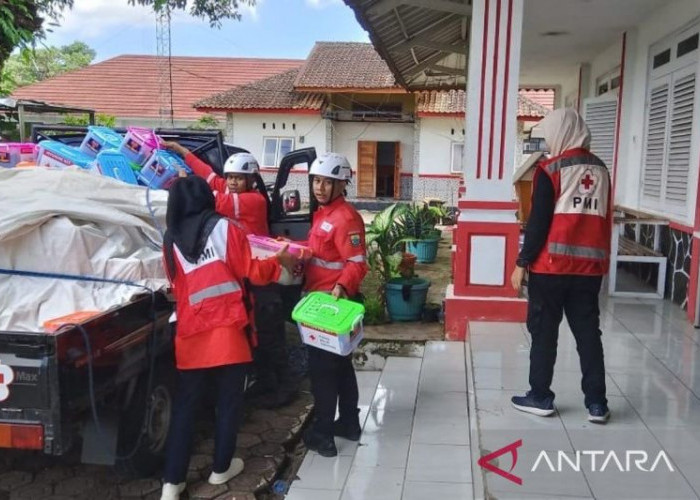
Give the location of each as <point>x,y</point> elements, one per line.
<point>566,251</point>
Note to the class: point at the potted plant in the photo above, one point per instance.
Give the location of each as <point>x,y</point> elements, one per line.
<point>421,236</point>
<point>402,292</point>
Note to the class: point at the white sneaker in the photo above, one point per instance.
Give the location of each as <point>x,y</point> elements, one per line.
<point>234,469</point>
<point>172,491</point>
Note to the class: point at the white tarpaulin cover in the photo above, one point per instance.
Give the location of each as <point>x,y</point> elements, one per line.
<point>74,222</point>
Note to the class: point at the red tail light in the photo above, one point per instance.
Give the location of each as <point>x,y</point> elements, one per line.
<point>28,437</point>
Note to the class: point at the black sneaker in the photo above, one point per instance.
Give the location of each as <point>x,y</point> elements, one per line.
<point>323,445</point>
<point>598,413</point>
<point>348,430</point>
<point>528,404</point>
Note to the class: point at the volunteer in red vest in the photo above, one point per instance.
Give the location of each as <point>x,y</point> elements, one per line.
<point>566,251</point>
<point>338,266</point>
<point>208,259</point>
<point>236,195</point>
<point>237,198</point>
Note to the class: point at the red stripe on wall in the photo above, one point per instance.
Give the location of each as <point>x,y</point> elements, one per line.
<point>505,90</point>
<point>484,48</point>
<point>439,176</point>
<point>694,265</point>
<point>619,112</point>
<point>680,227</point>
<point>494,83</point>
<point>578,96</point>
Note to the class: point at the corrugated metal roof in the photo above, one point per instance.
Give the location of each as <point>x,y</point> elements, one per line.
<point>424,42</point>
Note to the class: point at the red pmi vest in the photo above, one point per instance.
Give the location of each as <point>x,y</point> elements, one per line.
<point>208,295</point>
<point>579,237</point>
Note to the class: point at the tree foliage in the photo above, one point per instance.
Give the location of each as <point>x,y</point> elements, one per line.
<point>22,22</point>
<point>215,11</point>
<point>206,122</point>
<point>83,120</point>
<point>33,65</point>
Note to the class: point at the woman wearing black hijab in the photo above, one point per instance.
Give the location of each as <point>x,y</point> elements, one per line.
<point>208,260</point>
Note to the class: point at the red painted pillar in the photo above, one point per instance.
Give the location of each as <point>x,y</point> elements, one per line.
<point>487,233</point>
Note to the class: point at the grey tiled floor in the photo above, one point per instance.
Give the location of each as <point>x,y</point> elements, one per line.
<point>428,420</point>
<point>415,441</point>
<point>652,359</point>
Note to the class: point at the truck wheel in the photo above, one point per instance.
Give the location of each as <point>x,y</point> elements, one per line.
<point>144,428</point>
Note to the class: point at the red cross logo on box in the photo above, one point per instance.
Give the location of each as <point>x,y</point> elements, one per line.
<point>588,183</point>
<point>6,378</point>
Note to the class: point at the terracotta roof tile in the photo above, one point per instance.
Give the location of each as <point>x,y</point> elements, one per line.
<point>347,65</point>
<point>454,102</point>
<point>528,107</point>
<point>275,92</point>
<point>127,86</point>
<point>544,97</point>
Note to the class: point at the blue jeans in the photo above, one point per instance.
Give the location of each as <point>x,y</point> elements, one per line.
<point>230,382</point>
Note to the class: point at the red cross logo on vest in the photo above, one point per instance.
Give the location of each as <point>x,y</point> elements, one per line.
<point>6,378</point>
<point>588,183</point>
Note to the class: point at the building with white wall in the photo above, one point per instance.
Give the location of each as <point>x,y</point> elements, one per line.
<point>402,145</point>
<point>632,68</point>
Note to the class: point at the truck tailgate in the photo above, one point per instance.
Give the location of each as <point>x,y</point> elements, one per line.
<point>25,364</point>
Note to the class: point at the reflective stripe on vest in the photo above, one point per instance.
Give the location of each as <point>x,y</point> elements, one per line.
<point>357,258</point>
<point>573,160</point>
<point>214,291</point>
<point>577,251</point>
<point>236,206</point>
<point>327,264</point>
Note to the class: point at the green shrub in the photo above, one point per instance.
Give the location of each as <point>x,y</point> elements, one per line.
<point>375,313</point>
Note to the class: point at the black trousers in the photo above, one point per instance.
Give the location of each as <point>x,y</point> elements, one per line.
<point>230,381</point>
<point>271,356</point>
<point>549,297</point>
<point>333,383</point>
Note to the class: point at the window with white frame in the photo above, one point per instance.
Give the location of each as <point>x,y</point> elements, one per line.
<point>457,158</point>
<point>671,129</point>
<point>274,149</point>
<point>608,82</point>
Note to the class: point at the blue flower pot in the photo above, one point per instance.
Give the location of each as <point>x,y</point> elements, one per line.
<point>405,299</point>
<point>424,250</point>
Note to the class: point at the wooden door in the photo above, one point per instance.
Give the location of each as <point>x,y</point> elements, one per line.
<point>366,169</point>
<point>397,170</point>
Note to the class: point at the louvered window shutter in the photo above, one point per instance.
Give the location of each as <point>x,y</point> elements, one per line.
<point>600,114</point>
<point>680,139</point>
<point>654,150</point>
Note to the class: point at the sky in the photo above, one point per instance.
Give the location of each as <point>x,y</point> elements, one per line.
<point>272,28</point>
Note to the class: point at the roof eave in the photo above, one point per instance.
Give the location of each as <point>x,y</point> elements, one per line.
<point>354,90</point>
<point>289,111</point>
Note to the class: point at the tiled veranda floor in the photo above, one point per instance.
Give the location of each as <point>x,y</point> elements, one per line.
<point>428,420</point>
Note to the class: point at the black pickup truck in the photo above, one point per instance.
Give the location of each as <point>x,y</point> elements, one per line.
<point>108,383</point>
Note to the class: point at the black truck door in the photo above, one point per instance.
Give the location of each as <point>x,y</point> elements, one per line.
<point>294,224</point>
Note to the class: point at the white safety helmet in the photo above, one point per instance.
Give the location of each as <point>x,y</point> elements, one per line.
<point>241,163</point>
<point>332,165</point>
